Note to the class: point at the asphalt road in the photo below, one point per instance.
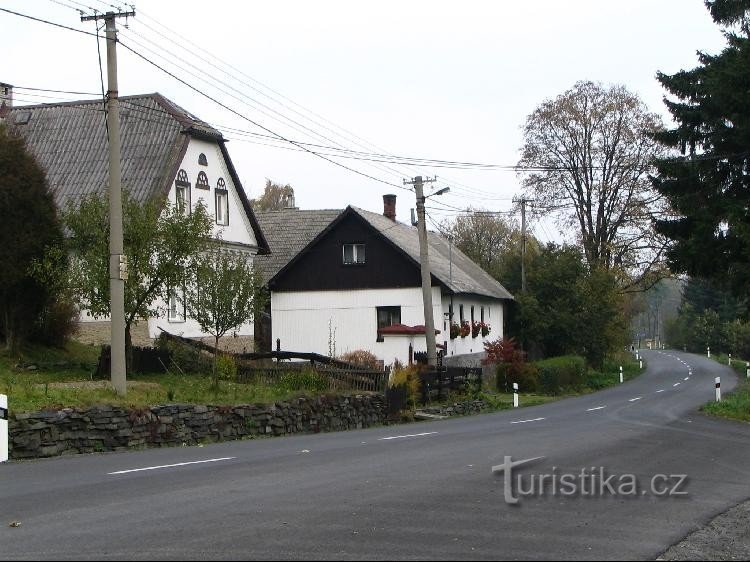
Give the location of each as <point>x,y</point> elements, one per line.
<point>414,491</point>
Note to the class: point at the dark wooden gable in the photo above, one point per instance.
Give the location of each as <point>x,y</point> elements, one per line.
<point>320,267</point>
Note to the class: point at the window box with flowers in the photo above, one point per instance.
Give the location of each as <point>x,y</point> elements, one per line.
<point>455,330</point>
<point>485,329</point>
<point>465,329</point>
<point>476,327</point>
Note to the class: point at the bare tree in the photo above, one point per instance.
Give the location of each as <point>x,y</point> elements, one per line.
<point>586,158</point>
<point>275,197</point>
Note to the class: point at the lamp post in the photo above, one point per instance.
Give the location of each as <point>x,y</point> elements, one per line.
<point>424,260</point>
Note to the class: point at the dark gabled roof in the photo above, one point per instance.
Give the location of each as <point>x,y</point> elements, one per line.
<point>69,140</point>
<point>288,231</point>
<point>293,232</point>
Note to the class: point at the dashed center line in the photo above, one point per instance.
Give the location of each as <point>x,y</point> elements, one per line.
<point>597,408</point>
<point>660,390</point>
<point>527,421</point>
<point>676,384</point>
<point>170,465</point>
<point>686,378</point>
<point>636,398</point>
<point>405,436</point>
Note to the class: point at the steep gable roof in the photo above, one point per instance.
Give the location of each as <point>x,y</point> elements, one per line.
<point>293,232</point>
<point>69,141</point>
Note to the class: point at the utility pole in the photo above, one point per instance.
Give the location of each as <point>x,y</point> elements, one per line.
<point>117,262</point>
<point>424,260</point>
<point>523,202</point>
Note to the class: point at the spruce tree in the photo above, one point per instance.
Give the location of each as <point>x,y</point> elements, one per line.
<point>708,183</point>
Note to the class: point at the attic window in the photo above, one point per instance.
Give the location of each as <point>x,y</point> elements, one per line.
<point>202,182</point>
<point>354,254</point>
<point>23,117</point>
<point>182,192</point>
<point>202,160</point>
<point>222,203</point>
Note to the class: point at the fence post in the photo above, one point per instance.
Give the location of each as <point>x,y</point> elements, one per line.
<point>515,395</point>
<point>718,389</point>
<point>3,428</point>
<point>411,354</point>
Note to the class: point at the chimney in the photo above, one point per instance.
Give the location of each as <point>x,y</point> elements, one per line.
<point>389,206</point>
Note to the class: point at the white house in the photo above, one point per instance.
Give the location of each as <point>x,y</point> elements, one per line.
<point>344,280</point>
<point>166,152</point>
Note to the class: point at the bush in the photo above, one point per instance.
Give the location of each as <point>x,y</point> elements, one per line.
<point>226,367</point>
<point>410,377</point>
<point>57,322</point>
<point>560,374</point>
<point>525,375</point>
<point>309,381</point>
<point>363,358</point>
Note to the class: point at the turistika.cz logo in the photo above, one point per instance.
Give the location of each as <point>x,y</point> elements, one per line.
<point>588,482</point>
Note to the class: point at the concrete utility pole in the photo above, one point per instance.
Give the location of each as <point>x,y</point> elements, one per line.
<point>424,260</point>
<point>523,202</point>
<point>117,261</point>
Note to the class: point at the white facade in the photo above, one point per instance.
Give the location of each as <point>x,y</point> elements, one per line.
<point>335,322</point>
<point>238,233</point>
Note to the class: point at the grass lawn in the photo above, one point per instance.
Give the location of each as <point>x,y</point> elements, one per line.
<point>62,378</point>
<point>736,404</point>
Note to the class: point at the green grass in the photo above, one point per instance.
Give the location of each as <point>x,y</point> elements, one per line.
<point>63,379</point>
<point>736,404</point>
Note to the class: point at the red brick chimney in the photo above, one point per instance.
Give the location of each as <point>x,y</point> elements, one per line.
<point>389,206</point>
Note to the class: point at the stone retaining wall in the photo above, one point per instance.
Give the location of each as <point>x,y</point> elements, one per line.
<point>110,428</point>
<point>456,409</point>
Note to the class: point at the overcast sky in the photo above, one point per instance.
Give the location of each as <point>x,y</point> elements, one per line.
<point>440,80</point>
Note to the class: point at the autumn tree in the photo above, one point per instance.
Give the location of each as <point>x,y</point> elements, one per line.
<point>586,158</point>
<point>275,197</point>
<point>161,242</point>
<point>28,230</point>
<point>706,177</point>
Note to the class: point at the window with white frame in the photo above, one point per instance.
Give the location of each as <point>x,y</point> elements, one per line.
<point>176,312</point>
<point>202,181</point>
<point>354,254</point>
<point>182,192</point>
<point>222,203</point>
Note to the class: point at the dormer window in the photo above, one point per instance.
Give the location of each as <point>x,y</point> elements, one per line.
<point>222,203</point>
<point>202,160</point>
<point>202,182</point>
<point>354,254</point>
<point>182,192</point>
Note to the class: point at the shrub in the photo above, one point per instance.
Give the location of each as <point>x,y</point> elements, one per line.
<point>410,377</point>
<point>226,367</point>
<point>560,374</point>
<point>309,381</point>
<point>525,375</point>
<point>361,357</point>
<point>57,322</point>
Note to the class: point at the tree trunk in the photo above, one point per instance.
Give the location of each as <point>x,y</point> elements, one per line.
<point>216,352</point>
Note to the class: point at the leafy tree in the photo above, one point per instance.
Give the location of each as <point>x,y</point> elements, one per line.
<point>223,293</point>
<point>708,184</point>
<point>275,197</point>
<point>28,230</point>
<point>484,237</point>
<point>587,155</point>
<point>161,242</point>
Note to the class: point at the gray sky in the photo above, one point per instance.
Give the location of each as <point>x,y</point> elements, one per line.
<point>430,79</point>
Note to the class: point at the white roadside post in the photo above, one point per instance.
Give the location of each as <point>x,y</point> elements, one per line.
<point>708,352</point>
<point>3,428</point>
<point>620,374</point>
<point>515,395</point>
<point>718,389</point>
<point>729,363</point>
<point>747,369</point>
<point>640,363</point>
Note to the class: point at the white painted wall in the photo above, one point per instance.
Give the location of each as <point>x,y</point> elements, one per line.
<point>238,233</point>
<point>305,321</point>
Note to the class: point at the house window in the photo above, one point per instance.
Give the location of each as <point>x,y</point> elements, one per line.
<point>481,312</point>
<point>202,160</point>
<point>472,314</point>
<point>202,182</point>
<point>461,313</point>
<point>176,312</point>
<point>182,192</point>
<point>388,316</point>
<point>354,253</point>
<point>222,203</point>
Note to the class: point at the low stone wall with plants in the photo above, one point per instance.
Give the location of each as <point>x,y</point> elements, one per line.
<point>112,428</point>
<point>456,409</point>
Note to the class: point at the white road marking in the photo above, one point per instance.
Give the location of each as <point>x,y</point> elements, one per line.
<point>527,421</point>
<point>686,378</point>
<point>660,390</point>
<point>676,384</point>
<point>170,465</point>
<point>404,436</point>
<point>634,399</point>
<point>597,408</point>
